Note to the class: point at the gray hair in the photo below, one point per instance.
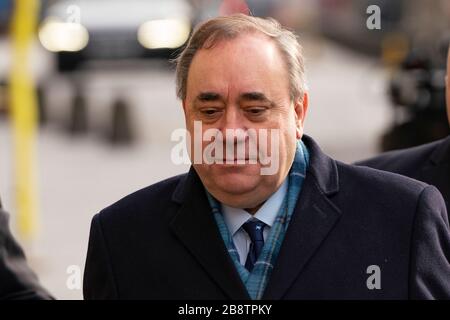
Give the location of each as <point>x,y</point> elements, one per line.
<point>209,33</point>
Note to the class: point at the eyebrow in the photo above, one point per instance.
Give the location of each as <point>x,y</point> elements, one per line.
<point>246,96</point>
<point>208,96</point>
<point>213,96</point>
<point>255,96</point>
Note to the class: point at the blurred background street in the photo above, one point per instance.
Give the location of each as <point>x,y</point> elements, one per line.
<point>107,107</point>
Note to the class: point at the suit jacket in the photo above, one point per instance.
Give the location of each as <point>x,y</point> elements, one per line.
<point>162,242</point>
<point>17,280</point>
<point>429,163</point>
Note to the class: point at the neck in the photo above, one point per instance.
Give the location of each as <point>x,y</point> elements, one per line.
<point>252,211</point>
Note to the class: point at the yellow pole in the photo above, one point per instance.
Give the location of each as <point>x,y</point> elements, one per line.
<point>24,111</point>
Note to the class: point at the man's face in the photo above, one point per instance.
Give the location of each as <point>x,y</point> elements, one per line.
<point>242,83</point>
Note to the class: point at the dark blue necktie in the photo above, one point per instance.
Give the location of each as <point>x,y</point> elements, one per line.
<point>255,231</point>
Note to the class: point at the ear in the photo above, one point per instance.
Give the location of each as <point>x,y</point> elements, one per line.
<point>300,109</point>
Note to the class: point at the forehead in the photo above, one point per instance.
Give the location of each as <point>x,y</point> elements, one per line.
<point>250,62</point>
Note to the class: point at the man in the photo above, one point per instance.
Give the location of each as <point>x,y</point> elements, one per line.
<point>429,163</point>
<point>312,228</point>
<point>17,280</point>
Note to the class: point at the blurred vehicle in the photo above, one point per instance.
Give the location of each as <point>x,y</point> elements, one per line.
<point>417,92</point>
<point>87,30</point>
<point>88,36</point>
<point>403,24</point>
<point>345,21</point>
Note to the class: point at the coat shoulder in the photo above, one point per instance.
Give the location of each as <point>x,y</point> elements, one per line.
<point>143,200</point>
<point>404,161</point>
<point>379,181</point>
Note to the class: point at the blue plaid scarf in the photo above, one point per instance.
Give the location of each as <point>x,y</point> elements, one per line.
<point>256,281</point>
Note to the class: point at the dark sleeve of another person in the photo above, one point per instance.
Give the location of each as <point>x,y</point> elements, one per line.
<point>98,279</point>
<point>17,280</point>
<point>430,256</point>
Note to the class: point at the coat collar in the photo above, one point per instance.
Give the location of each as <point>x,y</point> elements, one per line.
<point>315,215</point>
<point>313,218</point>
<point>322,167</point>
<point>441,153</point>
<point>437,169</point>
<point>195,227</point>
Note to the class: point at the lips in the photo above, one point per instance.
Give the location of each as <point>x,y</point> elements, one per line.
<point>232,160</point>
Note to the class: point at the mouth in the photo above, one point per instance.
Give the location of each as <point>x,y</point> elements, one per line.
<point>240,160</point>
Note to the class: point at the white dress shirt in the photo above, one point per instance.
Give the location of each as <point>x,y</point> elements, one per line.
<point>236,217</point>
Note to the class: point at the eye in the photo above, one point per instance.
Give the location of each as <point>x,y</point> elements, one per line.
<point>210,112</point>
<point>256,111</point>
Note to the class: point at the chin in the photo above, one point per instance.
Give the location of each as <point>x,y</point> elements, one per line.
<point>237,182</point>
<point>233,179</point>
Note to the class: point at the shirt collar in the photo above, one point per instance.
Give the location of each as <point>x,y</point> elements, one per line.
<point>236,217</point>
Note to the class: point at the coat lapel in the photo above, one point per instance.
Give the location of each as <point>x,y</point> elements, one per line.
<point>195,227</point>
<point>313,218</point>
<point>437,169</point>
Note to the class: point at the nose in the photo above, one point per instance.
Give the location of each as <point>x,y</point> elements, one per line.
<point>233,122</point>
<point>233,119</point>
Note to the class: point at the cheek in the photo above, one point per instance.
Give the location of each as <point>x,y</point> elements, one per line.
<point>285,126</point>
<point>288,127</point>
<point>289,139</point>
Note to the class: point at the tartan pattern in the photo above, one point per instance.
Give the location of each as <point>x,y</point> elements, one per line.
<point>256,281</point>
